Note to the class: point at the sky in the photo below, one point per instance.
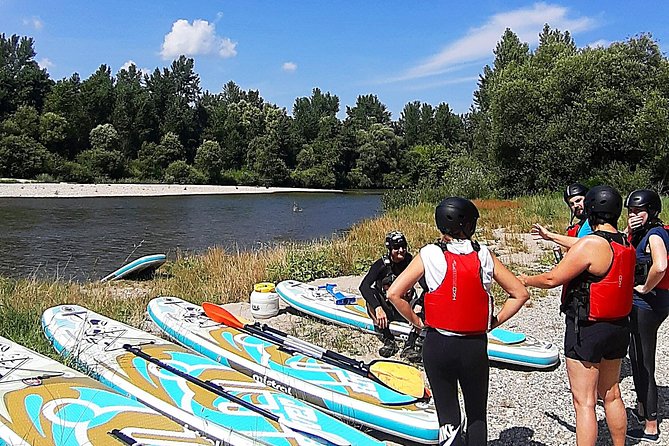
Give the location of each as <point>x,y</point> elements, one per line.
<point>423,50</point>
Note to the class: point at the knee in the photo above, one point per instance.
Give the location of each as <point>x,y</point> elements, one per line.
<point>610,395</point>
<point>584,402</point>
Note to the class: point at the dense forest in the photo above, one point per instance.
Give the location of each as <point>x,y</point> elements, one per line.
<point>539,119</point>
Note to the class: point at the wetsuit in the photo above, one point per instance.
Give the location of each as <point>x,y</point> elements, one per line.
<point>649,311</point>
<point>383,272</point>
<point>452,358</point>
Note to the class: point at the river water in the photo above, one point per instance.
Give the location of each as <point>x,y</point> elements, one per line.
<point>84,239</point>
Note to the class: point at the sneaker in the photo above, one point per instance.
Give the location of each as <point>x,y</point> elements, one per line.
<point>413,354</point>
<point>639,434</point>
<point>389,348</point>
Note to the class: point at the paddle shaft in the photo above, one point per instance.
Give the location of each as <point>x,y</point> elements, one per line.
<point>207,385</point>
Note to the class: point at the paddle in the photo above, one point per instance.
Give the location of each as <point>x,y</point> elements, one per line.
<point>396,375</point>
<point>217,389</point>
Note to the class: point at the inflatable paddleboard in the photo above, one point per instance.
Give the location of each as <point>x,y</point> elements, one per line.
<point>44,403</point>
<point>137,268</point>
<point>195,390</point>
<point>503,345</point>
<point>343,393</point>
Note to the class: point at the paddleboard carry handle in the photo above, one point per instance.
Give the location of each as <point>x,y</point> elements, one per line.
<point>123,438</point>
<point>220,391</point>
<point>340,298</point>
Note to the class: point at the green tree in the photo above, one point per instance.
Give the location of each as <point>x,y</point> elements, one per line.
<point>52,131</point>
<point>24,121</point>
<point>210,160</point>
<point>104,137</point>
<point>22,157</point>
<point>22,81</point>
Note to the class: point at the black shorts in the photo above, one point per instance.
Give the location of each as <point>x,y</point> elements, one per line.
<point>595,341</point>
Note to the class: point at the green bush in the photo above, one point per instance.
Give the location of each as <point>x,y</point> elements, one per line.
<point>623,177</point>
<point>183,173</point>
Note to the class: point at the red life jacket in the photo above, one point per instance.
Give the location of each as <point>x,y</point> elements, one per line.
<point>460,304</point>
<point>572,231</point>
<point>591,298</point>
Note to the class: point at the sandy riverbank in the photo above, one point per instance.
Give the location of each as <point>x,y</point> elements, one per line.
<point>71,190</point>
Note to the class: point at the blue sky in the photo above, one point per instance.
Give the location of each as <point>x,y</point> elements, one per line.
<point>431,51</point>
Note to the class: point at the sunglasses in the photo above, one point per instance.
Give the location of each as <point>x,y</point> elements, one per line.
<point>398,246</point>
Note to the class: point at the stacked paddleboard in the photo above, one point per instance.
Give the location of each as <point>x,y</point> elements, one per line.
<point>273,358</point>
<point>503,345</point>
<point>204,394</point>
<point>45,403</point>
<point>144,266</point>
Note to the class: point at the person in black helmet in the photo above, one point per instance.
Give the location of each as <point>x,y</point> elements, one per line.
<point>458,314</point>
<point>574,196</point>
<point>597,278</point>
<point>373,288</point>
<point>650,306</point>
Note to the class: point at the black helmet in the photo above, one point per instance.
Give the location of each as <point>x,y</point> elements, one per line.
<point>456,216</point>
<point>604,202</point>
<point>573,190</point>
<point>647,199</point>
<point>394,239</point>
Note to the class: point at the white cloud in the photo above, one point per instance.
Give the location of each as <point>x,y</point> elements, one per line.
<point>130,62</point>
<point>479,42</point>
<point>45,63</point>
<point>601,43</point>
<point>34,22</point>
<point>289,66</point>
<point>198,38</point>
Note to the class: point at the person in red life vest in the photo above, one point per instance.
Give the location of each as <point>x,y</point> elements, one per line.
<point>651,303</point>
<point>597,275</point>
<point>573,195</point>
<point>458,314</point>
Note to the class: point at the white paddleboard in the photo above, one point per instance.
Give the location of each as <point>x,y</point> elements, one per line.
<point>344,393</point>
<point>143,265</point>
<point>503,345</point>
<point>44,403</point>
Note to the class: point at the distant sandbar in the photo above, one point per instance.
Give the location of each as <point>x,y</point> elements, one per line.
<point>71,190</point>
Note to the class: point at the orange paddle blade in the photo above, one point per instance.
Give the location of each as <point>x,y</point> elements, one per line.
<point>219,314</point>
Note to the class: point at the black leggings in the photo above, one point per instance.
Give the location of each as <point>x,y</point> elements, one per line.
<point>644,325</point>
<point>450,360</point>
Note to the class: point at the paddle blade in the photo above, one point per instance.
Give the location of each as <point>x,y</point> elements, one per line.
<point>219,314</point>
<point>399,376</point>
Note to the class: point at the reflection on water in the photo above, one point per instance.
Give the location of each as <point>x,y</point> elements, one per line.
<point>86,238</point>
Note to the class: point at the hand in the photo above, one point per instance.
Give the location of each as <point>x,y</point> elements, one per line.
<point>381,318</point>
<point>539,231</point>
<point>634,222</point>
<point>641,289</point>
<point>523,279</point>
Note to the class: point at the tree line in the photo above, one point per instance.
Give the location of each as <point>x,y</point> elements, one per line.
<point>539,119</point>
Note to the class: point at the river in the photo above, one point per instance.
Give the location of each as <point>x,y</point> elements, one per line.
<point>84,239</point>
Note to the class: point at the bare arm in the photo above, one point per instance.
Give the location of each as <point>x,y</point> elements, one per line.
<point>658,252</point>
<point>565,241</point>
<point>574,263</point>
<point>401,285</point>
<point>518,294</point>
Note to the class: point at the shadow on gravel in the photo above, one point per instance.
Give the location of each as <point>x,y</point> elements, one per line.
<point>516,436</point>
<point>521,368</point>
<point>625,368</point>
